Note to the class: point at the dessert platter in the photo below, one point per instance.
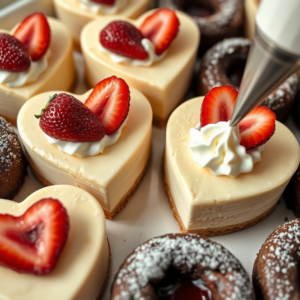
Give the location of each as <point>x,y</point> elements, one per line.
<point>112,187</point>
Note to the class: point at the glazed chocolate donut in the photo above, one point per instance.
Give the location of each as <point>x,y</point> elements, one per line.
<point>276,268</point>
<point>217,19</point>
<point>224,64</point>
<point>173,265</point>
<point>292,194</point>
<point>12,166</point>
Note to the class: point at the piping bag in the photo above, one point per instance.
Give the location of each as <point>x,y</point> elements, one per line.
<point>274,54</point>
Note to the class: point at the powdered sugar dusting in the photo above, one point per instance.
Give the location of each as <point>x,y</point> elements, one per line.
<point>192,255</point>
<point>277,270</point>
<point>10,150</point>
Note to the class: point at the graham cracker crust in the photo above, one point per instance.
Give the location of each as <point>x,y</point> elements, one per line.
<point>104,285</point>
<point>122,202</point>
<point>209,231</point>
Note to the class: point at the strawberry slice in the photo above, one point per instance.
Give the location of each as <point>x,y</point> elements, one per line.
<point>123,39</point>
<point>33,242</point>
<point>257,127</point>
<point>13,55</point>
<point>160,28</point>
<point>105,2</point>
<point>34,34</point>
<point>67,119</point>
<point>109,101</point>
<point>218,105</point>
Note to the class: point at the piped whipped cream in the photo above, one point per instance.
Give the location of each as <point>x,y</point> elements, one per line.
<point>217,147</point>
<point>87,148</point>
<point>149,48</point>
<point>17,79</point>
<point>102,8</point>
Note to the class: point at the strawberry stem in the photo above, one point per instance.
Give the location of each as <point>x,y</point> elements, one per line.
<point>51,98</point>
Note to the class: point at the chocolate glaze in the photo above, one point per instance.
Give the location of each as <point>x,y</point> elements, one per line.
<point>227,59</point>
<point>225,20</point>
<point>276,268</point>
<point>189,255</point>
<point>12,166</point>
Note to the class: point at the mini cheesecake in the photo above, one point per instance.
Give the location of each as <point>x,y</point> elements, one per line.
<point>164,83</point>
<point>213,205</point>
<point>60,73</point>
<point>83,267</point>
<point>111,176</point>
<point>75,17</point>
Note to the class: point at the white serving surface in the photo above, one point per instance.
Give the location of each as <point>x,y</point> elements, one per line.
<point>148,213</point>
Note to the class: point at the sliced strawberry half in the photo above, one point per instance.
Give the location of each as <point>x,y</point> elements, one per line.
<point>160,28</point>
<point>34,34</point>
<point>105,2</point>
<point>33,242</point>
<point>109,101</point>
<point>257,127</point>
<point>218,105</point>
<point>123,39</point>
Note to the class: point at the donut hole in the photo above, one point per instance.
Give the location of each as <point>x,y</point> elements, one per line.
<point>235,71</point>
<point>176,286</point>
<point>196,8</point>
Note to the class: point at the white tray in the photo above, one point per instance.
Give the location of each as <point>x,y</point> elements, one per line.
<point>148,213</point>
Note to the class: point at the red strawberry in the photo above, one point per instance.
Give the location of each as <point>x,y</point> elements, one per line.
<point>123,39</point>
<point>218,105</point>
<point>110,102</point>
<point>34,33</point>
<point>105,2</point>
<point>257,127</point>
<point>160,28</point>
<point>67,119</point>
<point>13,55</point>
<point>33,242</point>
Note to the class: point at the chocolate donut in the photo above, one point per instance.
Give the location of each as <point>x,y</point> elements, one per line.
<point>217,19</point>
<point>12,166</point>
<point>276,268</point>
<point>224,64</point>
<point>292,194</point>
<point>181,264</point>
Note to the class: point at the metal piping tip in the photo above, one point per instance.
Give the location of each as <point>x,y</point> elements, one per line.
<point>267,67</point>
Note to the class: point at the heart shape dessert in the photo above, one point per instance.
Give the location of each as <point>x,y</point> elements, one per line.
<point>83,265</point>
<point>50,65</point>
<point>77,13</point>
<point>209,204</point>
<point>110,176</point>
<point>166,81</point>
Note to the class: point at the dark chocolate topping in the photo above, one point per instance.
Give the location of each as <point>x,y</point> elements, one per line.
<point>189,254</point>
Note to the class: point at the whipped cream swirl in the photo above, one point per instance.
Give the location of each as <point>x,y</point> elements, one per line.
<point>217,147</point>
<point>149,48</point>
<point>17,79</point>
<point>102,8</point>
<point>87,148</point>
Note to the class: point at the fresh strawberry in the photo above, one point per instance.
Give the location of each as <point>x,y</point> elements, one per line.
<point>160,28</point>
<point>33,242</point>
<point>110,102</point>
<point>123,39</point>
<point>257,127</point>
<point>67,119</point>
<point>218,105</point>
<point>13,55</point>
<point>105,2</point>
<point>34,33</point>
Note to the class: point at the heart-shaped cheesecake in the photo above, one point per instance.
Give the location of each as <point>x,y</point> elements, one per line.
<point>77,13</point>
<point>59,71</point>
<point>110,176</point>
<point>83,265</point>
<point>209,204</point>
<point>165,82</point>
